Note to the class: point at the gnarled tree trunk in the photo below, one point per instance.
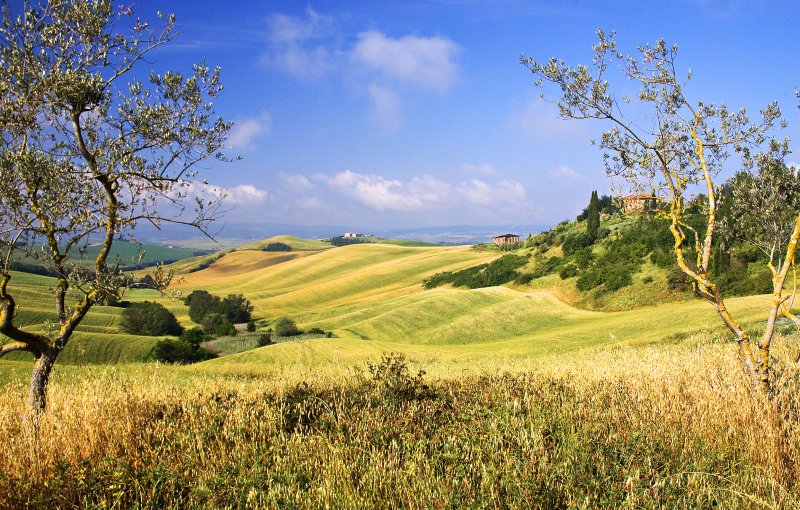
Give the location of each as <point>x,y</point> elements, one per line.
<point>40,379</point>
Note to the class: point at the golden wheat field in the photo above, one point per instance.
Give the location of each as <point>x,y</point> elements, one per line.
<point>446,398</point>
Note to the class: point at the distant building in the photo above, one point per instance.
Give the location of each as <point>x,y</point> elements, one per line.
<point>636,202</point>
<point>350,234</point>
<point>505,239</point>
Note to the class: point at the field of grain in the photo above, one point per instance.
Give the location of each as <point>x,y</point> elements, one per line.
<point>615,427</point>
<point>484,398</point>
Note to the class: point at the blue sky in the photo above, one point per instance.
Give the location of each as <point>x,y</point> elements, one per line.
<point>418,113</point>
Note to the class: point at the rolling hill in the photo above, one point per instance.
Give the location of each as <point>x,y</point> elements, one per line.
<point>370,297</point>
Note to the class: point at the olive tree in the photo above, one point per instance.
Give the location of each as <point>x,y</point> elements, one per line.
<point>92,143</point>
<point>662,141</point>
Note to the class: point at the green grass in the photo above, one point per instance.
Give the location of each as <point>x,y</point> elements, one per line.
<point>527,401</point>
<point>296,243</point>
<point>370,296</point>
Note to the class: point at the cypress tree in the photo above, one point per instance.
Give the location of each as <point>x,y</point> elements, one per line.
<point>593,218</point>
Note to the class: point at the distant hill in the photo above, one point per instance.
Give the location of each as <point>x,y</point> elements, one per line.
<point>129,255</point>
<point>230,235</point>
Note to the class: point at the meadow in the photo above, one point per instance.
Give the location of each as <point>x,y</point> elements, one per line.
<point>444,398</point>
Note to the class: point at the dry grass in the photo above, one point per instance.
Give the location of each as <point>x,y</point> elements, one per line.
<point>616,427</point>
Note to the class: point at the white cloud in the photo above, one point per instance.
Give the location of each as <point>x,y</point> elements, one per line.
<point>246,194</point>
<point>376,191</point>
<point>243,194</point>
<point>386,108</point>
<point>287,29</point>
<point>423,193</point>
<point>244,132</point>
<point>296,181</point>
<point>483,193</point>
<point>565,172</point>
<point>296,44</point>
<point>422,62</point>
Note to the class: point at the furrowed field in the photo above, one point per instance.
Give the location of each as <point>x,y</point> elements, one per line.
<point>525,400</point>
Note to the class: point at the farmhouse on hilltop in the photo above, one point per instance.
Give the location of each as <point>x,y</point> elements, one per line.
<point>505,239</point>
<point>636,202</point>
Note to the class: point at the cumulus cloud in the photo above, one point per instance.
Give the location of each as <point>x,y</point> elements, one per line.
<point>565,172</point>
<point>422,62</point>
<point>296,44</point>
<point>483,193</point>
<point>383,68</point>
<point>245,131</point>
<point>296,181</point>
<point>246,194</point>
<point>395,66</point>
<point>422,193</point>
<point>243,194</point>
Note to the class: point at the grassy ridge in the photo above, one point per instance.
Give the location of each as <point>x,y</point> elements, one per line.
<point>296,243</point>
<point>461,329</point>
<point>98,338</point>
<point>369,295</point>
<point>350,274</point>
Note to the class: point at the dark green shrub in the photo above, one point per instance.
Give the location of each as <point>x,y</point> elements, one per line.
<point>663,258</point>
<point>201,303</point>
<point>285,327</point>
<point>678,280</point>
<point>568,271</point>
<point>251,326</point>
<point>523,279</point>
<point>194,336</point>
<point>264,339</point>
<point>497,272</point>
<point>584,257</point>
<point>589,280</point>
<point>315,331</point>
<point>545,266</point>
<point>236,308</point>
<point>216,324</point>
<point>277,247</point>
<point>617,278</point>
<point>177,351</point>
<point>150,319</point>
<point>344,241</point>
<point>510,246</point>
<point>576,241</point>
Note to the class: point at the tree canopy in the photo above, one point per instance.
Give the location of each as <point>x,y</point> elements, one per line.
<point>88,150</point>
<point>662,142</point>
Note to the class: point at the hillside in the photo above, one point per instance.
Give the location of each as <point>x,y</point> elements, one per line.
<point>370,296</point>
<point>129,255</point>
<point>303,281</point>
